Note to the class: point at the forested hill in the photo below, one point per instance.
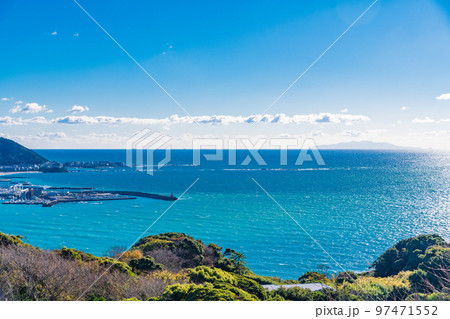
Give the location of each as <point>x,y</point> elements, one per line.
<point>175,266</point>
<point>12,153</point>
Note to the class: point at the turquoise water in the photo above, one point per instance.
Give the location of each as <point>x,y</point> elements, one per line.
<point>356,206</point>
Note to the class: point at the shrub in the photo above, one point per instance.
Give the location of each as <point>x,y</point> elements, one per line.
<point>312,276</point>
<point>32,274</point>
<point>7,240</point>
<point>348,276</point>
<point>205,292</point>
<point>436,264</point>
<point>300,294</point>
<point>203,274</point>
<point>115,265</point>
<point>437,296</point>
<point>251,287</point>
<point>405,255</point>
<point>129,254</point>
<point>73,254</point>
<point>185,251</point>
<point>373,288</point>
<point>145,264</point>
<point>240,294</point>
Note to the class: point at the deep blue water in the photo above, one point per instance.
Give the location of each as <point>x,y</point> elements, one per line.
<point>356,206</point>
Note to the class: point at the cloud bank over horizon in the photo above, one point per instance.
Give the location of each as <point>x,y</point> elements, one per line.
<point>281,118</point>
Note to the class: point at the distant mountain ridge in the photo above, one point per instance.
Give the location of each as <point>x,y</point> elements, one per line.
<point>12,153</point>
<point>366,145</point>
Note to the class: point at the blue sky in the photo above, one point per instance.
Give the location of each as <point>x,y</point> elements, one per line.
<point>78,89</point>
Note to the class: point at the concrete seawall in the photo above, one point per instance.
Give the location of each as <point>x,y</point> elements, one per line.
<point>141,194</point>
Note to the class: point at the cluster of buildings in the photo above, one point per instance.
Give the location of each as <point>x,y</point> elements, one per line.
<point>28,194</point>
<point>59,167</point>
<point>20,192</point>
<point>46,167</point>
<point>19,168</point>
<point>95,164</point>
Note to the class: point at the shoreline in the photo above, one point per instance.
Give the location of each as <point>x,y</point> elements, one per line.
<point>20,172</point>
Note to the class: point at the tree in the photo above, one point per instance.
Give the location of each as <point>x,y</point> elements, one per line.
<point>406,255</point>
<point>237,259</point>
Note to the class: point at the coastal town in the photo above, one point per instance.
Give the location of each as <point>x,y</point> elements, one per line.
<point>56,167</point>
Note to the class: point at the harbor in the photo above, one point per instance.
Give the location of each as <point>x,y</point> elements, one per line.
<point>24,193</point>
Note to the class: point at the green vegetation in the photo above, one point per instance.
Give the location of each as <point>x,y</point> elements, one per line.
<point>145,264</point>
<point>12,153</point>
<point>73,254</point>
<point>406,255</point>
<point>174,266</point>
<point>8,240</point>
<point>205,292</point>
<point>312,276</point>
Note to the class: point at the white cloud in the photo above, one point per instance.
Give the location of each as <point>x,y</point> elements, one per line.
<point>51,135</point>
<point>426,120</point>
<point>78,109</point>
<point>344,110</point>
<point>351,133</point>
<point>6,98</point>
<point>7,120</point>
<point>54,33</point>
<point>445,96</point>
<point>321,118</point>
<point>28,108</point>
<point>404,108</point>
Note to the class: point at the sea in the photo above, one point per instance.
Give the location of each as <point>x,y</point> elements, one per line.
<point>286,219</point>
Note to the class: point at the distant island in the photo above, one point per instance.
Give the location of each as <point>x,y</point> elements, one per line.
<point>177,267</point>
<point>366,145</point>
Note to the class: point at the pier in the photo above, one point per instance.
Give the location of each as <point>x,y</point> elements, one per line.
<point>145,195</point>
<point>28,194</point>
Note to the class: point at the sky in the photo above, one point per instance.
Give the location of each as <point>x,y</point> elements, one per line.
<point>209,69</point>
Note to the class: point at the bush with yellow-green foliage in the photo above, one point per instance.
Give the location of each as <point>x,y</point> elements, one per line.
<point>435,296</point>
<point>74,254</point>
<point>301,294</point>
<point>251,286</point>
<point>217,276</point>
<point>205,292</point>
<point>313,276</point>
<point>203,274</point>
<point>7,240</point>
<point>372,288</point>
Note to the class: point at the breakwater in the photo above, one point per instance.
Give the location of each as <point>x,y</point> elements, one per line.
<point>142,194</point>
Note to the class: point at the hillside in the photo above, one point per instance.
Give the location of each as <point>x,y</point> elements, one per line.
<point>175,266</point>
<point>12,153</point>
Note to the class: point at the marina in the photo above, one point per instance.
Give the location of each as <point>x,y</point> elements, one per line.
<point>27,194</point>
